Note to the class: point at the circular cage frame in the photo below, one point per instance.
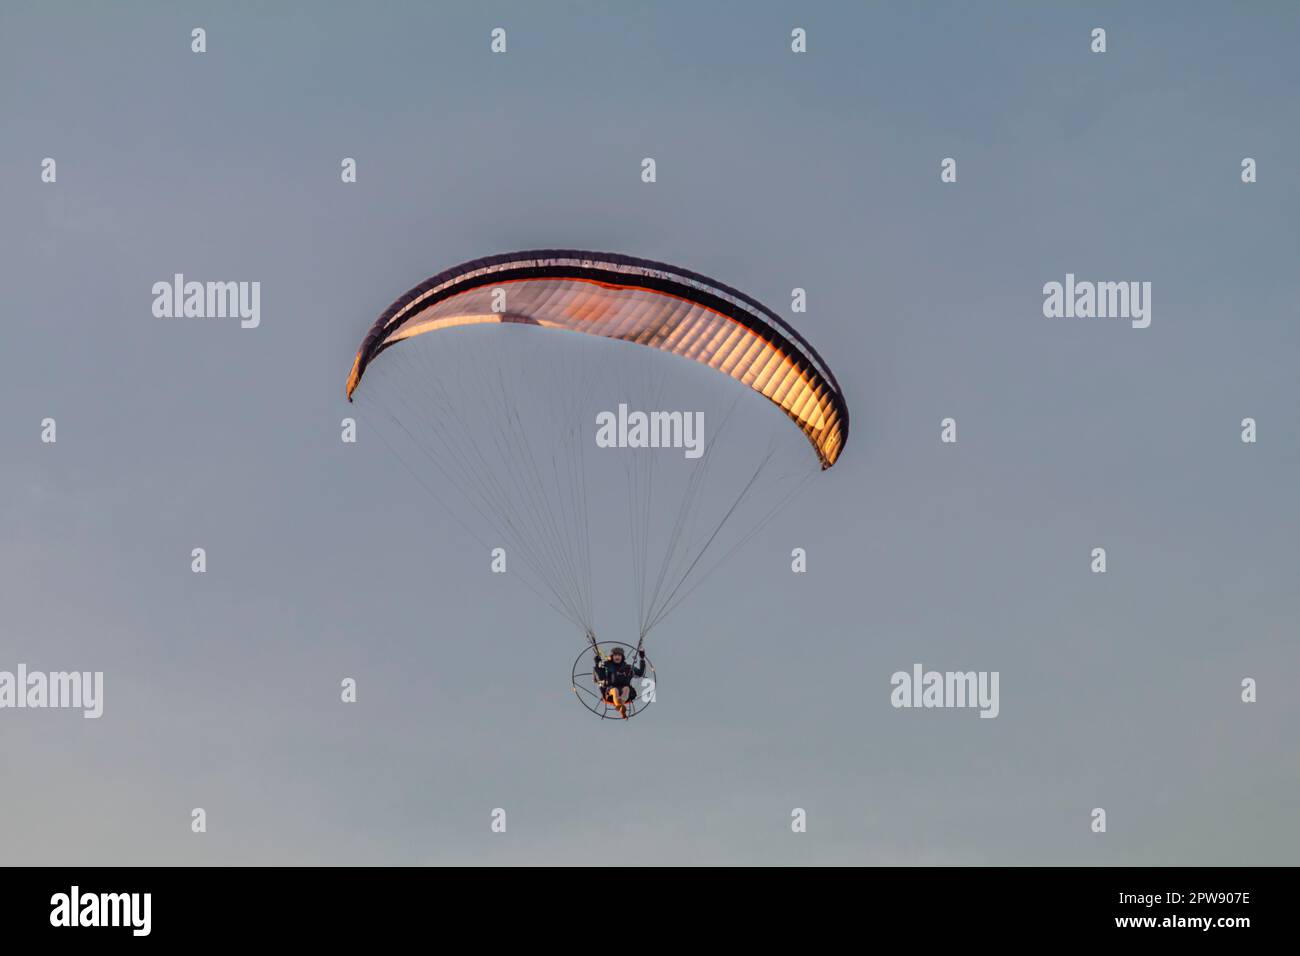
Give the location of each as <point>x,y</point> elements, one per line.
<point>584,684</point>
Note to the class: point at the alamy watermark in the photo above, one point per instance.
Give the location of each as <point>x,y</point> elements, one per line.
<point>1081,299</point>
<point>179,299</point>
<point>129,910</point>
<point>922,688</point>
<point>71,690</point>
<point>633,429</point>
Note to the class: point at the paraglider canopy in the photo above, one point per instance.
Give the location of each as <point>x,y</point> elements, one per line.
<point>635,300</point>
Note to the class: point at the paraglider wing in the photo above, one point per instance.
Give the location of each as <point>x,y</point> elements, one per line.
<point>634,300</point>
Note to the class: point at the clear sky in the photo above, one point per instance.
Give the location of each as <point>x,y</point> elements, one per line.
<point>775,171</point>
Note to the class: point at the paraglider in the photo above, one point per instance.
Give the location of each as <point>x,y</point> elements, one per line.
<point>507,410</point>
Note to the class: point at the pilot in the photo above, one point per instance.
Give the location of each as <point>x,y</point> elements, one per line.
<point>614,675</point>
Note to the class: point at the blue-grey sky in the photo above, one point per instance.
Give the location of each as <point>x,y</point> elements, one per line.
<point>775,171</point>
